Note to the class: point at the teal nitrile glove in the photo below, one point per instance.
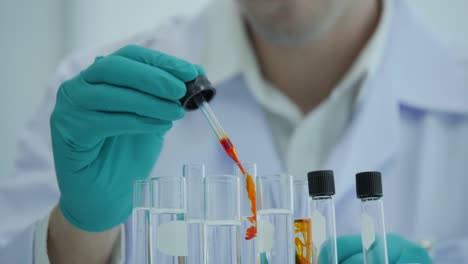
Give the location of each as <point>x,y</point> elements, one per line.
<point>399,250</point>
<point>108,129</point>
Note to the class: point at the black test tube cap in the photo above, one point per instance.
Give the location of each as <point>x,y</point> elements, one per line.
<point>321,183</point>
<point>200,86</point>
<point>369,184</point>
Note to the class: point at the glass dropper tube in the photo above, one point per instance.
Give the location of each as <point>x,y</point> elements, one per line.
<point>210,116</point>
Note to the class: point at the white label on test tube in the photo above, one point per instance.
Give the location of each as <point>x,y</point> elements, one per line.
<point>265,236</point>
<point>319,229</point>
<point>171,238</point>
<point>368,230</point>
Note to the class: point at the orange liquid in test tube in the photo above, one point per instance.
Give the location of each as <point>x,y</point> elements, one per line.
<point>303,240</point>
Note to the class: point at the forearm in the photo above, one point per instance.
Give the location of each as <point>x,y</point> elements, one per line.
<point>68,244</point>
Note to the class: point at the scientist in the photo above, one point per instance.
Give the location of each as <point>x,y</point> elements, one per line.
<point>302,85</point>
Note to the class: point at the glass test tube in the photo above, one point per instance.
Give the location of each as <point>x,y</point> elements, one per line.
<point>321,191</point>
<point>275,219</point>
<point>374,242</point>
<point>167,220</point>
<point>141,252</point>
<point>194,175</point>
<point>248,245</point>
<point>222,219</point>
<point>302,223</point>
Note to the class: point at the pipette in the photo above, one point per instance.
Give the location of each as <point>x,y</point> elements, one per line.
<point>229,148</point>
<point>199,92</point>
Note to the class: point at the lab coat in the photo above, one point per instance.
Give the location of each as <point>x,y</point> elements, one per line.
<point>411,124</point>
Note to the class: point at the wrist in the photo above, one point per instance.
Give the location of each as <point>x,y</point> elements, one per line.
<point>69,244</point>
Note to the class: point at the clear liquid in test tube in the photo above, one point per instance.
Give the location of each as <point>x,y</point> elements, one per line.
<point>275,219</point>
<point>194,175</point>
<point>222,219</point>
<point>167,221</point>
<point>141,244</point>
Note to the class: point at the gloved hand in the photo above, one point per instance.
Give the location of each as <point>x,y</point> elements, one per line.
<point>108,128</point>
<point>399,250</point>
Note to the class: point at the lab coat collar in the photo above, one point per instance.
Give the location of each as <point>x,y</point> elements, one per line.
<point>424,73</point>
<point>416,73</point>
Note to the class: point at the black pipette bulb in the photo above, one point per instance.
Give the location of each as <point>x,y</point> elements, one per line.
<point>201,86</point>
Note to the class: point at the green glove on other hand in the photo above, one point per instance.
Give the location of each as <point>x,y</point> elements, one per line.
<point>399,250</point>
<point>108,128</point>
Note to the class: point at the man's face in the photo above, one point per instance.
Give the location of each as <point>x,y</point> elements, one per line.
<point>291,22</point>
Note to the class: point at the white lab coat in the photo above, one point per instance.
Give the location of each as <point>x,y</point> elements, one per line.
<point>411,124</point>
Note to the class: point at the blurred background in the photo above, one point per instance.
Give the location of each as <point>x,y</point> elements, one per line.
<point>36,35</point>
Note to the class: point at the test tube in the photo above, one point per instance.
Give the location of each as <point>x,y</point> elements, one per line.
<point>141,252</point>
<point>167,220</point>
<point>248,214</point>
<point>275,219</point>
<point>194,175</point>
<point>302,222</point>
<point>374,242</point>
<point>222,219</point>
<point>321,191</point>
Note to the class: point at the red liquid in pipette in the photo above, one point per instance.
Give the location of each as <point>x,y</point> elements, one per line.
<point>249,183</point>
<point>231,151</point>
